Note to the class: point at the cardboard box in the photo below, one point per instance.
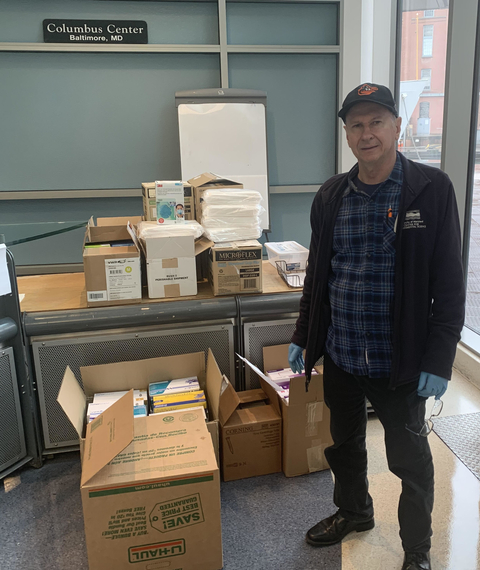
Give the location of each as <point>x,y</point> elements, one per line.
<point>150,203</point>
<point>150,490</point>
<point>306,418</point>
<point>250,433</point>
<point>112,274</point>
<point>138,374</point>
<point>208,181</point>
<point>171,269</point>
<point>170,264</point>
<point>236,267</point>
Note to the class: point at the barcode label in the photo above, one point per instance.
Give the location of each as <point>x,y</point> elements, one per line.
<point>97,295</point>
<point>116,271</point>
<point>250,284</point>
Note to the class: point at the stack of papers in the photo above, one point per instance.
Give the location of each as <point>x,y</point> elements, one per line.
<point>282,377</point>
<point>102,401</point>
<point>180,401</point>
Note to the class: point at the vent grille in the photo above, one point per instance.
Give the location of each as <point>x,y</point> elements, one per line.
<point>11,428</point>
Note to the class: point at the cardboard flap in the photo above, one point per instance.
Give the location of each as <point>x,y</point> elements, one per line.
<point>210,178</point>
<point>275,357</point>
<point>119,221</point>
<point>202,244</point>
<point>140,373</point>
<point>298,394</point>
<point>202,179</point>
<point>108,233</point>
<point>133,235</point>
<point>111,229</point>
<point>272,395</point>
<point>249,396</point>
<point>73,400</point>
<point>229,401</point>
<point>107,436</point>
<point>221,395</point>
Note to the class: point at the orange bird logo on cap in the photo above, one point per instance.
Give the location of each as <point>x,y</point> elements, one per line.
<point>367,89</point>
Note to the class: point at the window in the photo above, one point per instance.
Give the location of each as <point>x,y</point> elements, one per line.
<point>422,124</point>
<point>428,13</point>
<point>427,46</point>
<point>426,74</point>
<point>424,110</point>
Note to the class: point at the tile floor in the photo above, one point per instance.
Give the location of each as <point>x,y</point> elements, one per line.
<point>456,524</point>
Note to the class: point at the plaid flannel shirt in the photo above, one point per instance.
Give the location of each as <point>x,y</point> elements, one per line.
<point>361,281</point>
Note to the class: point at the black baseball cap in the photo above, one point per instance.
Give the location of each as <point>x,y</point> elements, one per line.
<point>368,92</point>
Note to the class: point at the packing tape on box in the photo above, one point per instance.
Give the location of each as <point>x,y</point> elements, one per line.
<point>314,417</point>
<point>316,456</point>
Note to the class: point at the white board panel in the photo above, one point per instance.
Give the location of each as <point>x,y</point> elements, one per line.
<point>229,139</point>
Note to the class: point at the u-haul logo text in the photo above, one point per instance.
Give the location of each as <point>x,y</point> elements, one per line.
<point>156,551</point>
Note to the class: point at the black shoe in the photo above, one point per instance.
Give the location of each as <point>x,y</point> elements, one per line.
<point>416,561</point>
<point>334,529</point>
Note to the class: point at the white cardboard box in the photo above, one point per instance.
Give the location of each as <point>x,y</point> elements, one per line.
<point>171,267</point>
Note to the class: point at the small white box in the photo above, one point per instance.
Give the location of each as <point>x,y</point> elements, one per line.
<point>171,277</point>
<point>179,385</point>
<point>170,201</point>
<point>171,265</point>
<point>294,254</point>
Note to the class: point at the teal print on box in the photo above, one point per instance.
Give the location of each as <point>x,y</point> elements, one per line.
<point>166,210</point>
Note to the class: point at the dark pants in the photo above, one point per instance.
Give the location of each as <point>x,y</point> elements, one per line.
<point>408,454</point>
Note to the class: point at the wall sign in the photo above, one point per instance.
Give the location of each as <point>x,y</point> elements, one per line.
<point>95,31</point>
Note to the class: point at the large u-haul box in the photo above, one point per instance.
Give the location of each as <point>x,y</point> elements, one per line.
<point>150,491</point>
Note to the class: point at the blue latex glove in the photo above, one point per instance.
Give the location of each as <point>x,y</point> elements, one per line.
<point>295,358</point>
<point>431,385</point>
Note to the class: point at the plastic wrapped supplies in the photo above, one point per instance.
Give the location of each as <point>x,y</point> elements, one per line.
<point>238,211</point>
<point>231,197</point>
<point>152,229</point>
<point>231,215</point>
<point>220,235</point>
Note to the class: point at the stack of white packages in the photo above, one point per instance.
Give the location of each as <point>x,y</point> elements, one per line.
<point>104,400</point>
<point>152,229</point>
<point>231,215</point>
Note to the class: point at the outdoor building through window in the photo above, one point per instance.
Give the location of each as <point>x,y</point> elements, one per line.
<point>422,79</point>
<point>421,105</point>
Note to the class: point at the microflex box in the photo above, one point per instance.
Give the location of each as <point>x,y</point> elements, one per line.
<point>170,201</point>
<point>236,267</point>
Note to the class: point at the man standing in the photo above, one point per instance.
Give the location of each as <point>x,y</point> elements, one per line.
<point>383,302</point>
